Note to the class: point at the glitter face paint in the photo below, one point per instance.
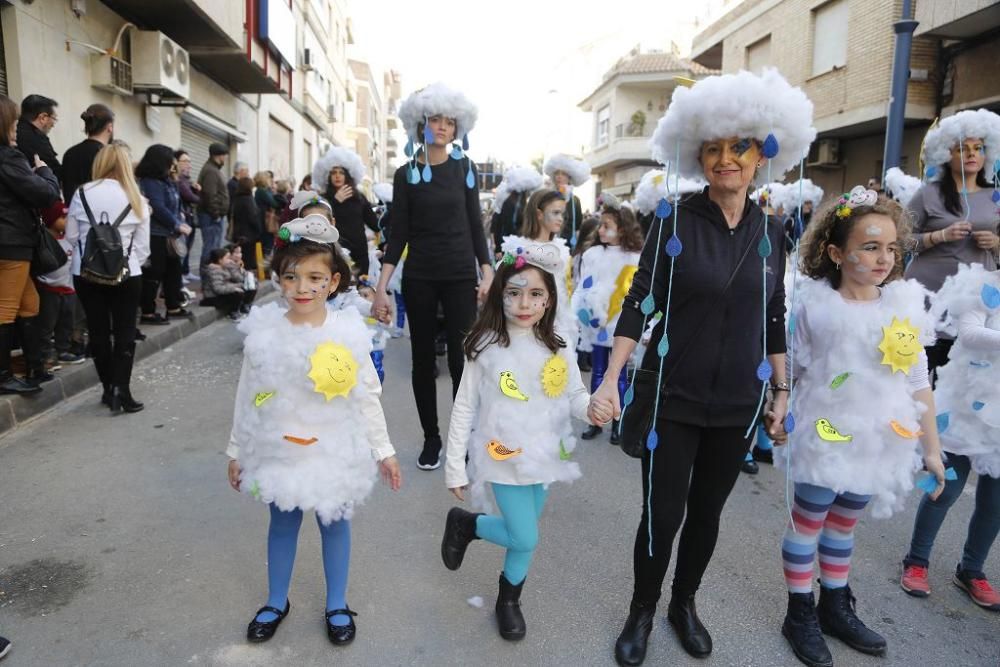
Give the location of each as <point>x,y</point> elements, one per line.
<point>525,298</point>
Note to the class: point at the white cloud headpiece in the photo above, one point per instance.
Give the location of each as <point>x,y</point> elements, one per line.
<point>546,256</point>
<point>337,156</point>
<point>578,170</point>
<point>314,227</point>
<point>951,131</point>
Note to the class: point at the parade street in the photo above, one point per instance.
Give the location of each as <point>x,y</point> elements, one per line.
<point>122,544</point>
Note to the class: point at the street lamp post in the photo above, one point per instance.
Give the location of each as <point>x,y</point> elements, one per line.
<point>903,28</point>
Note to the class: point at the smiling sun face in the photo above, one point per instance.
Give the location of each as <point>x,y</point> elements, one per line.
<point>900,345</point>
<point>333,370</point>
<point>555,376</point>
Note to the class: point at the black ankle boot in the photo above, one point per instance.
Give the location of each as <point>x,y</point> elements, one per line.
<point>801,629</point>
<point>837,619</point>
<point>684,617</point>
<point>121,399</point>
<point>630,649</point>
<point>616,437</point>
<point>510,622</point>
<point>459,530</point>
<point>106,395</point>
<point>591,432</point>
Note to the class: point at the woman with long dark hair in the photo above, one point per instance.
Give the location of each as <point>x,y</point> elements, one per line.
<point>336,176</point>
<point>157,171</point>
<point>436,213</point>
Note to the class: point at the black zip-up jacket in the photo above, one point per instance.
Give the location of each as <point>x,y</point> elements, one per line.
<point>31,142</point>
<point>709,374</point>
<point>22,193</point>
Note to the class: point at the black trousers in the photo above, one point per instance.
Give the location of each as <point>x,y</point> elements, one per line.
<point>56,319</point>
<point>165,269</point>
<point>230,303</point>
<point>694,470</point>
<point>111,321</point>
<point>458,301</point>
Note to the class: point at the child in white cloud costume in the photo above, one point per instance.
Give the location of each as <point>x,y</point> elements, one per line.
<point>519,389</point>
<point>308,429</point>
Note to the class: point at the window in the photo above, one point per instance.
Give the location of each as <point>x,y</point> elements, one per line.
<point>829,37</point>
<point>759,55</point>
<point>603,125</point>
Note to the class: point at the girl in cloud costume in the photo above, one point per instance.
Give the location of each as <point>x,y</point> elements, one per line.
<point>968,403</point>
<point>511,417</point>
<point>308,427</point>
<point>861,400</point>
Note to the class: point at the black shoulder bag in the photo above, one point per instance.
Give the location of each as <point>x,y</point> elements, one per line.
<point>638,418</point>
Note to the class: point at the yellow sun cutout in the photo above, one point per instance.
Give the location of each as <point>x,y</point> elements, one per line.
<point>622,284</point>
<point>555,376</point>
<point>333,370</point>
<point>900,345</point>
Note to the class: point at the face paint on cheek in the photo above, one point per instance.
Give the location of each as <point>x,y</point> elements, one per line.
<point>610,234</point>
<point>742,146</point>
<point>858,266</point>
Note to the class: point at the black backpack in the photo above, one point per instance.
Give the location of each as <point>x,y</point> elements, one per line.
<point>104,262</point>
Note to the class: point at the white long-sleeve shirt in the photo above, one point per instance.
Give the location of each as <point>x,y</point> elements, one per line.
<point>107,196</point>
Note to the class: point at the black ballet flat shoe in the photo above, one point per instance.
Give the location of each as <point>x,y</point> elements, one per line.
<point>630,649</point>
<point>341,634</point>
<point>750,467</point>
<point>591,432</point>
<point>684,617</point>
<point>261,631</point>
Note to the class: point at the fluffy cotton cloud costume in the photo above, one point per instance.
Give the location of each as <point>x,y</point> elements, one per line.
<point>967,396</point>
<point>901,186</point>
<point>952,131</point>
<point>516,180</point>
<point>855,415</point>
<point>735,105</point>
<point>344,158</point>
<point>383,191</point>
<point>654,185</point>
<point>554,253</point>
<point>578,170</point>
<point>513,408</point>
<point>787,196</point>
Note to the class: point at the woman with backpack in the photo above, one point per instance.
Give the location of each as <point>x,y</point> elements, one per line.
<point>23,189</point>
<point>107,267</point>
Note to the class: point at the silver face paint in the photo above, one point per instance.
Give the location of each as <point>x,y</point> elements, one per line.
<point>858,266</point>
<point>873,230</point>
<point>518,281</point>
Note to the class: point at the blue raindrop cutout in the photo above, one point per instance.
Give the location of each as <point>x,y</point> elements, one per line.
<point>789,422</point>
<point>770,148</point>
<point>791,323</point>
<point>950,474</point>
<point>652,440</point>
<point>930,171</point>
<point>943,420</point>
<point>602,336</point>
<point>465,142</point>
<point>764,371</point>
<point>572,242</point>
<point>674,246</point>
<point>995,196</point>
<point>413,175</point>
<point>587,283</point>
<point>764,247</point>
<point>979,364</point>
<point>648,304</point>
<point>470,180</point>
<point>629,395</point>
<point>584,315</point>
<point>663,208</point>
<point>996,165</point>
<point>595,323</point>
<point>456,153</point>
<point>408,149</point>
<point>663,346</point>
<point>991,296</point>
<point>428,134</point>
<point>978,405</point>
<point>427,173</point>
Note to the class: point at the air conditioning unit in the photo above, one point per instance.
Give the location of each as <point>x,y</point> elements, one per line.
<point>331,111</point>
<point>825,153</point>
<point>159,64</point>
<point>111,74</point>
<point>307,60</point>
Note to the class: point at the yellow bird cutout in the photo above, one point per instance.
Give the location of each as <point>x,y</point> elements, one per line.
<point>508,385</point>
<point>900,345</point>
<point>555,376</point>
<point>826,431</point>
<point>500,453</point>
<point>622,284</point>
<point>262,396</point>
<point>904,432</point>
<point>333,370</point>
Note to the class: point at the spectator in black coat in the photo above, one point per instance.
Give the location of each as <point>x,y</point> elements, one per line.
<point>23,190</point>
<point>38,117</point>
<point>78,162</point>
<point>247,221</point>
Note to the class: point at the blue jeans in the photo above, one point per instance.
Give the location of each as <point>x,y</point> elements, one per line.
<point>599,357</point>
<point>212,232</point>
<point>983,525</point>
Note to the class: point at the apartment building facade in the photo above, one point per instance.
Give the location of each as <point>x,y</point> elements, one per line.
<point>268,78</point>
<point>841,53</point>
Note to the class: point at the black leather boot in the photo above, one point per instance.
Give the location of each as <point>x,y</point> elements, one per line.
<point>121,399</point>
<point>630,649</point>
<point>30,335</point>
<point>684,617</point>
<point>616,436</point>
<point>104,364</point>
<point>801,629</point>
<point>8,383</point>
<point>459,531</point>
<point>838,619</point>
<point>591,432</point>
<point>121,394</point>
<point>510,622</point>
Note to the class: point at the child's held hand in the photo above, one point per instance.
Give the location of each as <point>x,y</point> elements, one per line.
<point>234,474</point>
<point>935,466</point>
<point>459,492</point>
<point>391,474</point>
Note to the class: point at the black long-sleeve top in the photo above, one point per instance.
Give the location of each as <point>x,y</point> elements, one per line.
<point>573,210</point>
<point>78,165</point>
<point>352,216</point>
<point>440,222</point>
<point>508,220</point>
<point>709,373</point>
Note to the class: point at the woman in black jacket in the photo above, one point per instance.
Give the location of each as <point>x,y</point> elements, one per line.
<point>693,411</point>
<point>23,190</point>
<point>338,174</point>
<point>248,222</point>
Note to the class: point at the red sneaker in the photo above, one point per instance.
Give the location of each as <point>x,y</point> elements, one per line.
<point>914,581</point>
<point>978,588</point>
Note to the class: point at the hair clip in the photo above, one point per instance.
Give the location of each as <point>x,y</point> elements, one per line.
<point>858,196</point>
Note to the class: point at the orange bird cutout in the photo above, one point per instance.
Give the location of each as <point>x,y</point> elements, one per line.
<point>300,441</point>
<point>904,432</point>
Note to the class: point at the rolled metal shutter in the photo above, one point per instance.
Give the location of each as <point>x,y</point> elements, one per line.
<point>195,139</point>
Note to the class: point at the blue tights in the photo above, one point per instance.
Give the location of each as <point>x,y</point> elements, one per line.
<point>282,541</point>
<point>517,528</point>
<point>599,366</point>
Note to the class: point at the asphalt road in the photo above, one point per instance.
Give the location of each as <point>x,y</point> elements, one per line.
<point>122,544</point>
